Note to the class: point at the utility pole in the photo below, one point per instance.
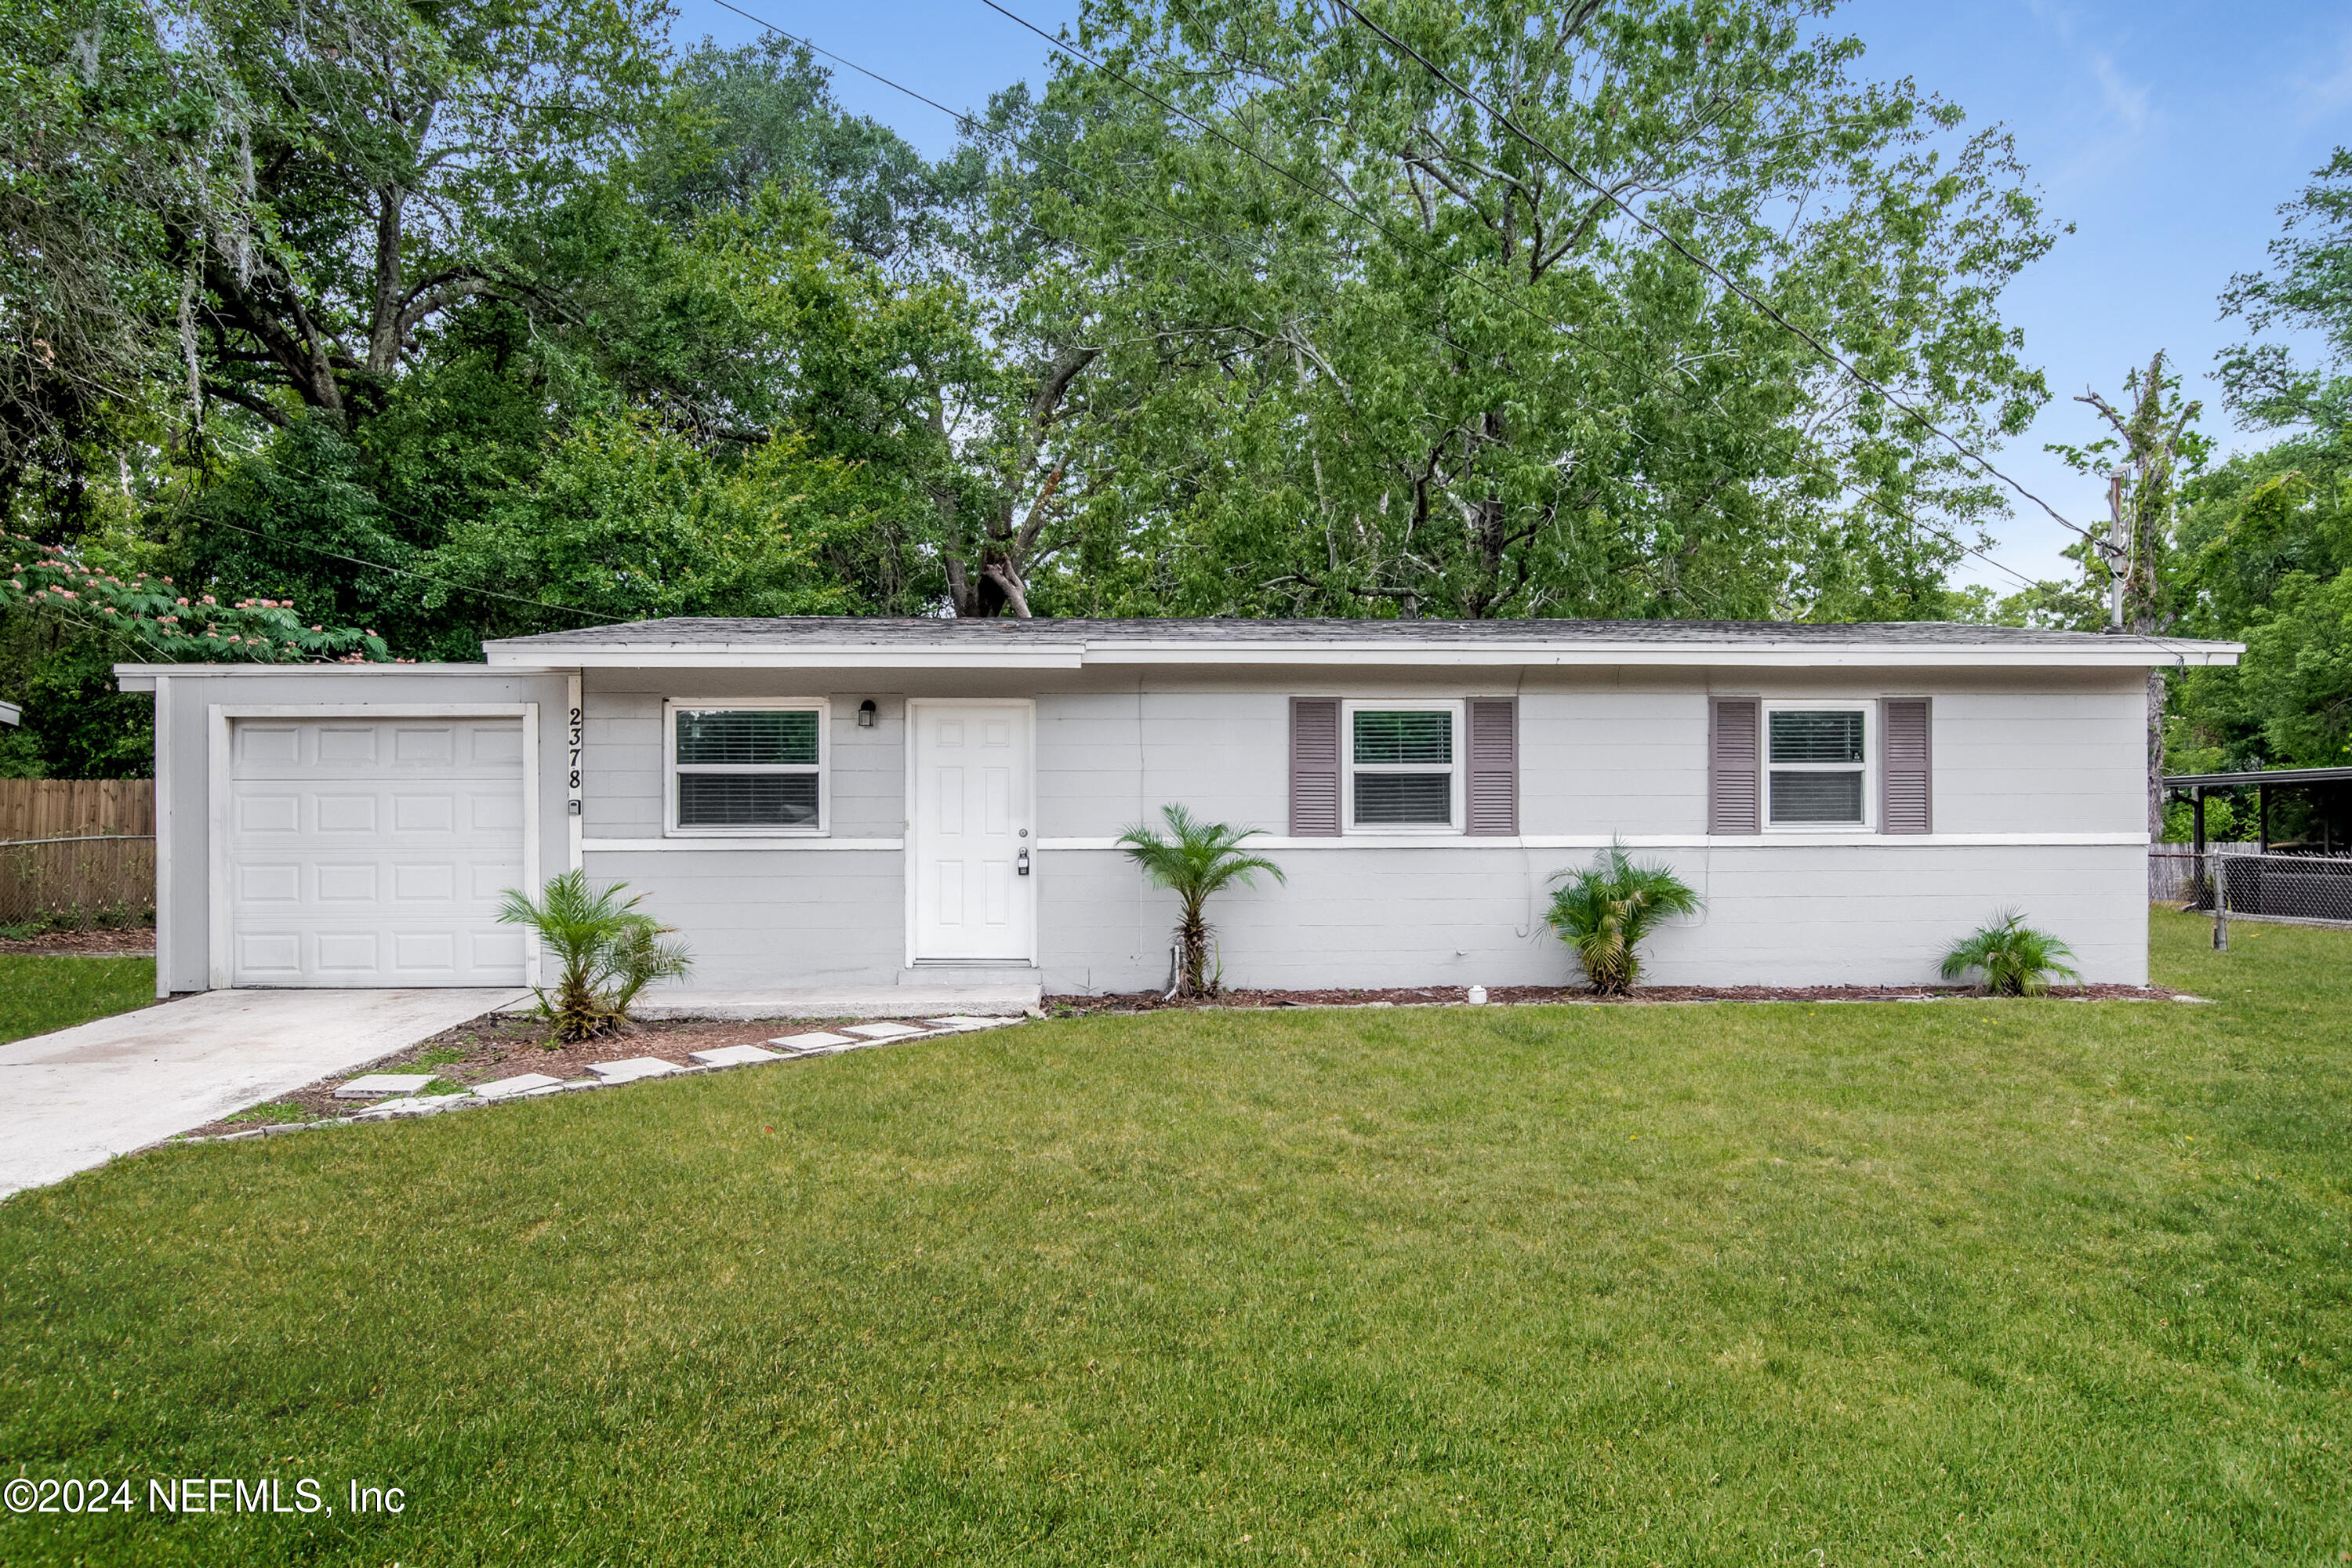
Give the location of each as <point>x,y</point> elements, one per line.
<point>2150,441</point>
<point>2115,552</point>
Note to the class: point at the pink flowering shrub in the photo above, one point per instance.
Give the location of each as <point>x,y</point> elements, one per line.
<point>161,620</point>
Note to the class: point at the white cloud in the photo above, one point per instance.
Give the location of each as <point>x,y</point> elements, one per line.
<point>2319,96</point>
<point>2125,100</point>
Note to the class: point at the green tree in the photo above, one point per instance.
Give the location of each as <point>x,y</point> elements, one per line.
<point>739,120</point>
<point>2309,288</point>
<point>632,522</point>
<point>2150,443</point>
<point>393,154</point>
<point>1362,351</point>
<point>2266,537</point>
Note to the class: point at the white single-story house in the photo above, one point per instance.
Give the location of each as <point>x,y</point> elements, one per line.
<point>828,802</point>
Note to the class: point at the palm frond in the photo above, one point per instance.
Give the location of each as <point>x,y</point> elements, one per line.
<point>604,951</point>
<point>1194,861</point>
<point>1606,911</point>
<point>2015,959</point>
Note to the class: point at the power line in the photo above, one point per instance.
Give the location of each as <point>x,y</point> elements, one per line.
<point>422,577</point>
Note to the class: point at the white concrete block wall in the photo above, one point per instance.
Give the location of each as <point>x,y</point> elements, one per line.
<point>1612,762</point>
<point>1815,915</point>
<point>2041,762</point>
<point>2049,752</point>
<point>622,788</point>
<point>758,919</point>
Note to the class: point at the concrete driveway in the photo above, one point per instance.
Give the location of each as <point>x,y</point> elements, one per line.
<point>81,1096</point>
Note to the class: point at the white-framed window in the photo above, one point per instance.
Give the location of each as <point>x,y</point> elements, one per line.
<point>1817,764</point>
<point>1402,762</point>
<point>746,767</point>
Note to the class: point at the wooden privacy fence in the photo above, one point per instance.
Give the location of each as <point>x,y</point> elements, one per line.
<point>77,850</point>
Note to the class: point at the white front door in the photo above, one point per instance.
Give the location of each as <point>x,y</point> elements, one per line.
<point>970,838</point>
<point>373,852</point>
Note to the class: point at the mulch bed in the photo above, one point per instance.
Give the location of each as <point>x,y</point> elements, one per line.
<point>505,1045</point>
<point>1456,995</point>
<point>133,942</point>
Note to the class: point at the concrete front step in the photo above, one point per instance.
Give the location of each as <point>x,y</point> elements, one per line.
<point>995,1001</point>
<point>964,975</point>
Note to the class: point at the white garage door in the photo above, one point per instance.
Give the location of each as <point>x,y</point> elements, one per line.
<point>373,852</point>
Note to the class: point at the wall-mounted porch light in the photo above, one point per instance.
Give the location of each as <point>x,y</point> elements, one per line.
<point>865,714</point>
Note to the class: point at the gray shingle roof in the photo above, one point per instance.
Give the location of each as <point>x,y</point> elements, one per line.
<point>850,631</point>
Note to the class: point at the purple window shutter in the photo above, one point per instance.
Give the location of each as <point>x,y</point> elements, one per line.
<point>1314,767</point>
<point>1494,766</point>
<point>1732,800</point>
<point>1905,768</point>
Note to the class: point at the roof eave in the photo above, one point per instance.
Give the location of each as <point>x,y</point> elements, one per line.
<point>748,656</point>
<point>2120,654</point>
<point>1786,655</point>
<point>141,677</point>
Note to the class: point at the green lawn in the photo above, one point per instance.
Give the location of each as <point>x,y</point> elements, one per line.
<point>1997,1283</point>
<point>37,994</point>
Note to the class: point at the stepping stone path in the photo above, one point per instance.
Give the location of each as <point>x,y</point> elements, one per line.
<point>632,1069</point>
<point>508,1087</point>
<point>383,1084</point>
<point>412,1106</point>
<point>733,1056</point>
<point>405,1101</point>
<point>816,1042</point>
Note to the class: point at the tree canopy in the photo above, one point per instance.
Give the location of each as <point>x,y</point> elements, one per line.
<point>446,320</point>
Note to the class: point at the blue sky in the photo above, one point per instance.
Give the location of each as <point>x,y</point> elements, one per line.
<point>2166,134</point>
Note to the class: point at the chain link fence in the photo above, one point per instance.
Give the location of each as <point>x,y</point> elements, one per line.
<point>2307,889</point>
<point>105,879</point>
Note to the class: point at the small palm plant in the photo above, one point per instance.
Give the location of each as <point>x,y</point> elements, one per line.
<point>1196,859</point>
<point>2016,959</point>
<point>605,953</point>
<point>1607,911</point>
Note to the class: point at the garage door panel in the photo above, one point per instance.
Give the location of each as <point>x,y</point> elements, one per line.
<point>489,881</point>
<point>343,813</point>
<point>375,854</point>
<point>496,746</point>
<point>435,882</point>
<point>339,745</point>
<point>494,815</point>
<point>267,744</point>
<point>418,746</point>
<point>270,956</point>
<point>418,952</point>
<point>267,884</point>
<point>348,884</point>
<point>434,813</point>
<point>269,814</point>
<point>495,947</point>
<point>348,954</point>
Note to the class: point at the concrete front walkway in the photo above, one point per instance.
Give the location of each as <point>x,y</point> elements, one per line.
<point>81,1096</point>
<point>986,1000</point>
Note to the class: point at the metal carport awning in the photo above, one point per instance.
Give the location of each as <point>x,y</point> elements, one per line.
<point>2262,781</point>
